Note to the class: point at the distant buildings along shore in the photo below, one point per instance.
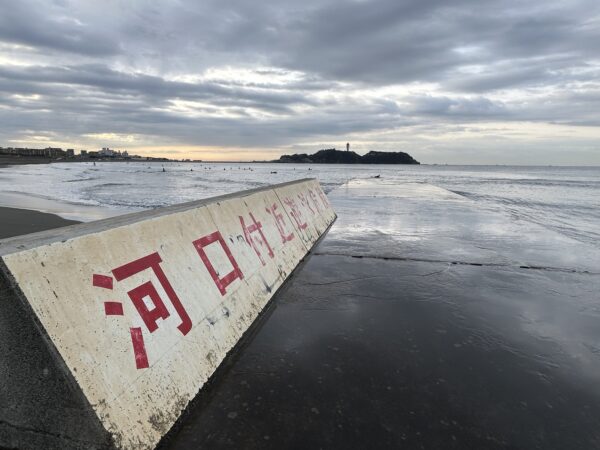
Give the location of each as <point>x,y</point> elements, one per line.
<point>53,153</point>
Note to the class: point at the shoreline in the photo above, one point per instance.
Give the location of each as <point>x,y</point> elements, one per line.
<point>63,209</point>
<point>18,221</point>
<point>7,161</point>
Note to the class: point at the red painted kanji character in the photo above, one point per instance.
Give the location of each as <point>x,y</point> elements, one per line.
<point>296,213</point>
<point>280,223</point>
<point>221,282</point>
<point>314,199</point>
<point>304,202</point>
<point>150,316</point>
<point>324,198</point>
<point>256,227</point>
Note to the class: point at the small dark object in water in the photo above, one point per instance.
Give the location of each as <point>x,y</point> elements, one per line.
<point>164,169</point>
<point>273,172</point>
<point>376,176</point>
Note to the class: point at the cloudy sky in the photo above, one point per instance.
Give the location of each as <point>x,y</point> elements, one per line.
<point>449,81</point>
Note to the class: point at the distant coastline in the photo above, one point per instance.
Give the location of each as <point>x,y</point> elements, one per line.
<point>333,156</point>
<point>10,156</point>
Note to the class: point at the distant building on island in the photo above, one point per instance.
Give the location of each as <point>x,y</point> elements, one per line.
<point>347,146</point>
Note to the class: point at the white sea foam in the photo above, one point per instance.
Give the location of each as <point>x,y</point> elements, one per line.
<point>564,199</point>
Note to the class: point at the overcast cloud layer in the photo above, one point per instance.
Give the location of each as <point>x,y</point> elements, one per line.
<point>448,81</point>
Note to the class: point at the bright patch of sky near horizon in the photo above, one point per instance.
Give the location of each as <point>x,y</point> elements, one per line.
<point>512,82</point>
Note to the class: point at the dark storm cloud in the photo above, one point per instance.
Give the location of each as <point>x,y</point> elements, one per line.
<point>457,108</point>
<point>501,77</point>
<point>49,26</point>
<point>391,41</point>
<point>319,69</point>
<point>42,80</point>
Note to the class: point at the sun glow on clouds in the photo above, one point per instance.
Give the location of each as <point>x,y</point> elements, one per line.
<point>113,137</point>
<point>266,76</point>
<point>208,154</point>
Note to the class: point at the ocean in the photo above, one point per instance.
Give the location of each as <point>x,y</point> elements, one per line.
<point>563,199</point>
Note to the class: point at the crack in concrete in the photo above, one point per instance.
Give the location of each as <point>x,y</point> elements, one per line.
<point>340,281</point>
<point>47,433</point>
<point>460,263</point>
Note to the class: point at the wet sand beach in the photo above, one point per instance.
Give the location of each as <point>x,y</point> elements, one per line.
<point>15,222</point>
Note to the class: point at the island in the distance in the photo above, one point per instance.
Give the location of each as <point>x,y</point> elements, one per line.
<point>333,156</point>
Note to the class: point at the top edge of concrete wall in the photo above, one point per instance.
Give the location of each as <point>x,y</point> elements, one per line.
<point>28,241</point>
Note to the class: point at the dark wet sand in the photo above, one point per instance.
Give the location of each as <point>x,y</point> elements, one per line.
<point>368,353</point>
<point>15,222</point>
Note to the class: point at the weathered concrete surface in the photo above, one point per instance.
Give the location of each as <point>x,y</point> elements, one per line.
<point>420,321</point>
<point>138,311</point>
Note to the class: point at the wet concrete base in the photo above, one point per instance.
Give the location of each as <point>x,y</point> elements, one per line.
<point>400,333</point>
<point>351,358</point>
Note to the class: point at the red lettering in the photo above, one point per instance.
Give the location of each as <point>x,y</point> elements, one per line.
<point>296,213</point>
<point>113,308</point>
<point>139,348</point>
<point>256,227</point>
<point>324,198</point>
<point>102,281</point>
<point>225,281</point>
<point>150,316</point>
<point>314,199</point>
<point>280,223</point>
<point>137,295</point>
<point>305,203</point>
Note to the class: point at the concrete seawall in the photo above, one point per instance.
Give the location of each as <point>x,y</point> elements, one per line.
<point>109,329</point>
